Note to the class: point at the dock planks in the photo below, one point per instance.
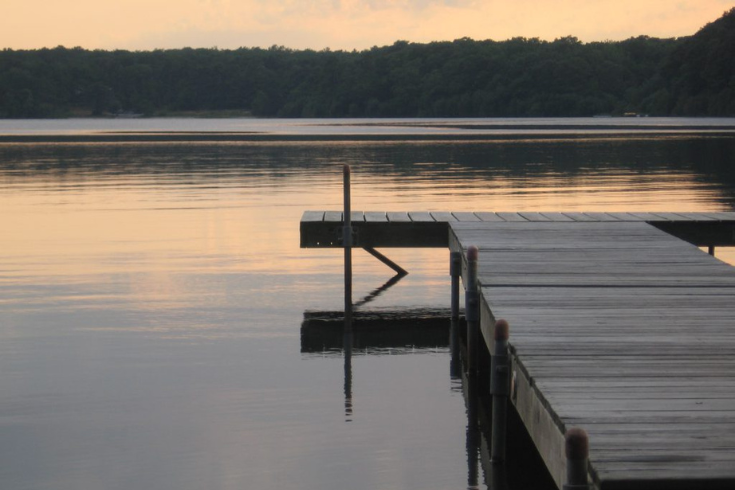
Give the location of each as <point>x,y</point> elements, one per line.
<point>620,329</point>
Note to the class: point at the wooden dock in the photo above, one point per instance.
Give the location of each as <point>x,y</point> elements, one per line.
<point>619,325</point>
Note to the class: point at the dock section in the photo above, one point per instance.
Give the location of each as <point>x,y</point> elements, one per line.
<point>617,327</point>
<point>620,329</point>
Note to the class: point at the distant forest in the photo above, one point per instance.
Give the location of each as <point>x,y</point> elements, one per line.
<point>688,76</point>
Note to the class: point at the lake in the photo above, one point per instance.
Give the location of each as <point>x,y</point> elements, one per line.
<point>153,293</point>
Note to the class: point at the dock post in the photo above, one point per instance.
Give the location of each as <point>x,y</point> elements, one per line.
<point>472,311</point>
<point>455,270</point>
<point>576,446</point>
<point>347,242</point>
<point>711,250</point>
<point>499,389</point>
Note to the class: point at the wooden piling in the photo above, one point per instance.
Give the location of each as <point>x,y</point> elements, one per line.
<point>455,271</point>
<point>576,446</point>
<point>347,242</point>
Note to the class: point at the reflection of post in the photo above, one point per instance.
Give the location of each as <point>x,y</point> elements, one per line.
<point>473,434</point>
<point>455,363</point>
<point>347,349</point>
<point>347,242</point>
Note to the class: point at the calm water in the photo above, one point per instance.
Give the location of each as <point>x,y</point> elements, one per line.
<point>152,297</point>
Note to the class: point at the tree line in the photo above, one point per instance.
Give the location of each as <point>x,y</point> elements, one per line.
<point>688,76</point>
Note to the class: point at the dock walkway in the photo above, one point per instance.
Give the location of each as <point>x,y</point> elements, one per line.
<point>617,327</point>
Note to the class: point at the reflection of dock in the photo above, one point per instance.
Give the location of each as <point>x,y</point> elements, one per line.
<point>401,332</point>
<point>617,327</point>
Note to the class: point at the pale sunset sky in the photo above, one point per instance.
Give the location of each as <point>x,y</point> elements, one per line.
<point>337,24</point>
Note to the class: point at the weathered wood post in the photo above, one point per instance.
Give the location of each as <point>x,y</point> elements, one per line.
<point>455,270</point>
<point>472,311</point>
<point>499,389</point>
<point>711,250</point>
<point>576,446</point>
<point>347,242</point>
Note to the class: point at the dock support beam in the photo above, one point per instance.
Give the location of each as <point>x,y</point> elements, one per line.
<point>347,242</point>
<point>711,250</point>
<point>499,389</point>
<point>399,270</point>
<point>576,446</point>
<point>472,311</point>
<point>455,270</point>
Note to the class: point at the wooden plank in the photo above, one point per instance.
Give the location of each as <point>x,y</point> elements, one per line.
<point>512,217</point>
<point>486,216</point>
<point>579,217</point>
<point>357,216</point>
<point>601,216</point>
<point>333,216</point>
<point>534,216</point>
<point>556,216</point>
<point>421,217</point>
<point>312,216</point>
<point>443,216</point>
<point>721,216</point>
<point>673,216</point>
<point>649,217</point>
<point>465,216</point>
<point>375,217</point>
<point>398,217</point>
<point>626,217</point>
<point>697,216</point>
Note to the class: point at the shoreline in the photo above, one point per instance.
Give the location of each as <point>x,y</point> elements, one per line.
<point>559,133</point>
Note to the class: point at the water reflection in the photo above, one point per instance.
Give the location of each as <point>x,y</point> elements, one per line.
<point>151,297</point>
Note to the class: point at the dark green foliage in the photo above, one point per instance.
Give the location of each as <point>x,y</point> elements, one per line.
<point>692,76</point>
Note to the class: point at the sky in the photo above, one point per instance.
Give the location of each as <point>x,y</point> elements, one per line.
<point>337,24</point>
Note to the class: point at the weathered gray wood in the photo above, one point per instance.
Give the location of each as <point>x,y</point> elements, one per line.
<point>465,216</point>
<point>673,216</point>
<point>626,217</point>
<point>312,216</point>
<point>511,217</point>
<point>333,216</point>
<point>579,217</point>
<point>443,216</point>
<point>398,217</point>
<point>557,216</point>
<point>486,216</point>
<point>649,217</point>
<point>534,216</point>
<point>357,216</point>
<point>623,330</point>
<point>421,217</point>
<point>375,217</point>
<point>602,216</point>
